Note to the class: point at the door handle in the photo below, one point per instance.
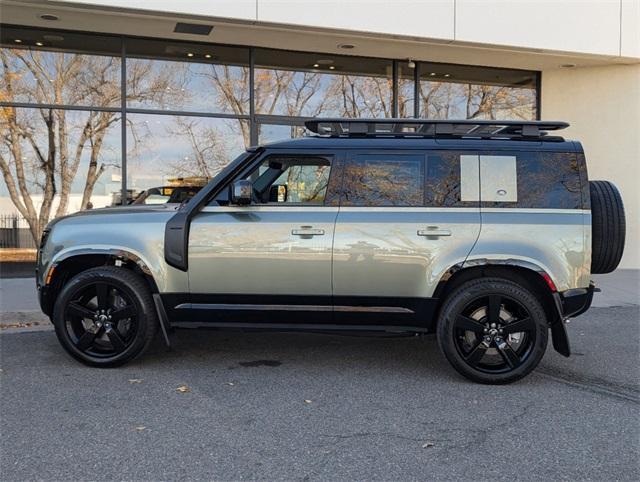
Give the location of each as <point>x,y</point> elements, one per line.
<point>307,231</point>
<point>434,231</point>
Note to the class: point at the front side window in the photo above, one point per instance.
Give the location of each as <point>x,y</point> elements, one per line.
<point>291,180</point>
<point>384,180</point>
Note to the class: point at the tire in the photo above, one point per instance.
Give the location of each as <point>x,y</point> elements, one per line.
<point>111,337</point>
<point>464,326</point>
<point>608,226</point>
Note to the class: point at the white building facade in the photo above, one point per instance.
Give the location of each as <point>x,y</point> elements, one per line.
<point>571,60</point>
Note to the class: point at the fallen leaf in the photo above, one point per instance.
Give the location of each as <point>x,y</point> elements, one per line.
<point>427,445</point>
<point>183,389</point>
<point>135,380</point>
<point>140,428</point>
<point>307,401</point>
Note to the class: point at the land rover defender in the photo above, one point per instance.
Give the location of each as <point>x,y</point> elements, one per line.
<point>484,233</point>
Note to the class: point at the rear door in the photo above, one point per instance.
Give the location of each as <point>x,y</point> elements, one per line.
<point>405,218</point>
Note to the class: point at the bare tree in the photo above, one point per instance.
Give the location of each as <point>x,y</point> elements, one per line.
<point>207,154</point>
<point>41,149</point>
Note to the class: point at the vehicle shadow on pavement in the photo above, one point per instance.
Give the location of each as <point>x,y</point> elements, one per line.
<point>242,350</point>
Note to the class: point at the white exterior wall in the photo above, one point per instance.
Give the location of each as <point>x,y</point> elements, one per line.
<point>600,27</point>
<point>603,106</point>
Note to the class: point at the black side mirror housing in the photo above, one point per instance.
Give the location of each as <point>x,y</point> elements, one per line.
<point>241,192</point>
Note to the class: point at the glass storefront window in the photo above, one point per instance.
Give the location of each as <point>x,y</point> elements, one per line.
<point>310,85</point>
<point>272,133</point>
<point>65,160</point>
<point>70,157</point>
<point>44,68</point>
<point>466,92</point>
<point>187,77</point>
<point>168,150</point>
<point>405,89</point>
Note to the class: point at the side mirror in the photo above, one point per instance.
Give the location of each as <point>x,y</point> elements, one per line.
<point>241,192</point>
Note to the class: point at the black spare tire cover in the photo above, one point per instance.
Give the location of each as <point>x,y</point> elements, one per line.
<point>608,226</point>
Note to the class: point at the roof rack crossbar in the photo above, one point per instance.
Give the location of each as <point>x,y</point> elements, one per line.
<point>411,128</point>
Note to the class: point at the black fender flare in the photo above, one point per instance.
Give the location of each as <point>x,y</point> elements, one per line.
<point>117,254</point>
<point>559,336</point>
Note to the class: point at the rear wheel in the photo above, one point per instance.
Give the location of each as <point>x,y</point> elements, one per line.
<point>492,330</point>
<point>105,316</point>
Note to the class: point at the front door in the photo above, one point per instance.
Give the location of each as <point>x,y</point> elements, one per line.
<point>404,221</point>
<point>271,260</point>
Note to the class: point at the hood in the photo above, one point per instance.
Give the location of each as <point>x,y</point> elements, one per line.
<point>118,210</point>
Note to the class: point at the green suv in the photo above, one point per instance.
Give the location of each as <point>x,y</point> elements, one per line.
<point>483,232</point>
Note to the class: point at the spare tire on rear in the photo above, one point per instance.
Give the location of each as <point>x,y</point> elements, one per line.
<point>608,226</point>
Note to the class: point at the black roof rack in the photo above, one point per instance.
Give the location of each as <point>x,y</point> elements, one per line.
<point>416,128</point>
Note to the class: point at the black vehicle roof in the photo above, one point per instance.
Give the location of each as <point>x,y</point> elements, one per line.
<point>322,142</point>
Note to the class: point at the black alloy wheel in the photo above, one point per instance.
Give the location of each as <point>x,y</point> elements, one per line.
<point>494,333</point>
<point>105,316</point>
<point>102,320</point>
<point>493,330</point>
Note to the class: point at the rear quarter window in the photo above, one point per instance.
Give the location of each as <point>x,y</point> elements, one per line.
<point>544,180</point>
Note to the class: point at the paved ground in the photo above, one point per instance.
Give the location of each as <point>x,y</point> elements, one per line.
<point>380,408</point>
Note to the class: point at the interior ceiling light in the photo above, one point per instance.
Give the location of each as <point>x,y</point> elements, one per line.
<point>190,54</point>
<point>432,74</point>
<point>447,75</point>
<point>346,46</point>
<point>316,65</point>
<point>39,44</point>
<point>411,64</point>
<point>18,41</point>
<point>48,16</point>
<point>332,67</point>
<point>207,56</point>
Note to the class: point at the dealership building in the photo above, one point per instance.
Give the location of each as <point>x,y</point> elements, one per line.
<point>101,100</point>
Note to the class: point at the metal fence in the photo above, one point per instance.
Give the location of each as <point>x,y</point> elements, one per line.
<point>14,232</point>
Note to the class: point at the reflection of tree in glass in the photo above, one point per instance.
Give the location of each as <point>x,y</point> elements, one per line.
<point>41,149</point>
<point>208,149</point>
<point>383,183</point>
<point>449,100</point>
<point>442,185</point>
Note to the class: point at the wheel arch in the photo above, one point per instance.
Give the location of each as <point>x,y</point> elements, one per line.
<point>530,275</point>
<point>71,263</point>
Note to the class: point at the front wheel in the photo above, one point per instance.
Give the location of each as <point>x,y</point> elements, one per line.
<point>493,330</point>
<point>105,316</point>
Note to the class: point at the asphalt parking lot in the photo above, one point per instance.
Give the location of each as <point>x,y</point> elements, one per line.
<point>320,407</point>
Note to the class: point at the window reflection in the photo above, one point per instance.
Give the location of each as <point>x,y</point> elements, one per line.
<point>163,149</point>
<point>187,77</point>
<point>57,162</point>
<point>299,84</point>
<point>49,77</point>
<point>405,89</point>
<point>466,92</point>
<point>272,133</point>
<point>384,181</point>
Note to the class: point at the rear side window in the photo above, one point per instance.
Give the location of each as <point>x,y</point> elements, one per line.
<point>540,180</point>
<point>448,183</point>
<point>383,180</point>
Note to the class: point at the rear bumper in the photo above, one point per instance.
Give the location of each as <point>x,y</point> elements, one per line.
<point>569,304</point>
<point>575,302</point>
